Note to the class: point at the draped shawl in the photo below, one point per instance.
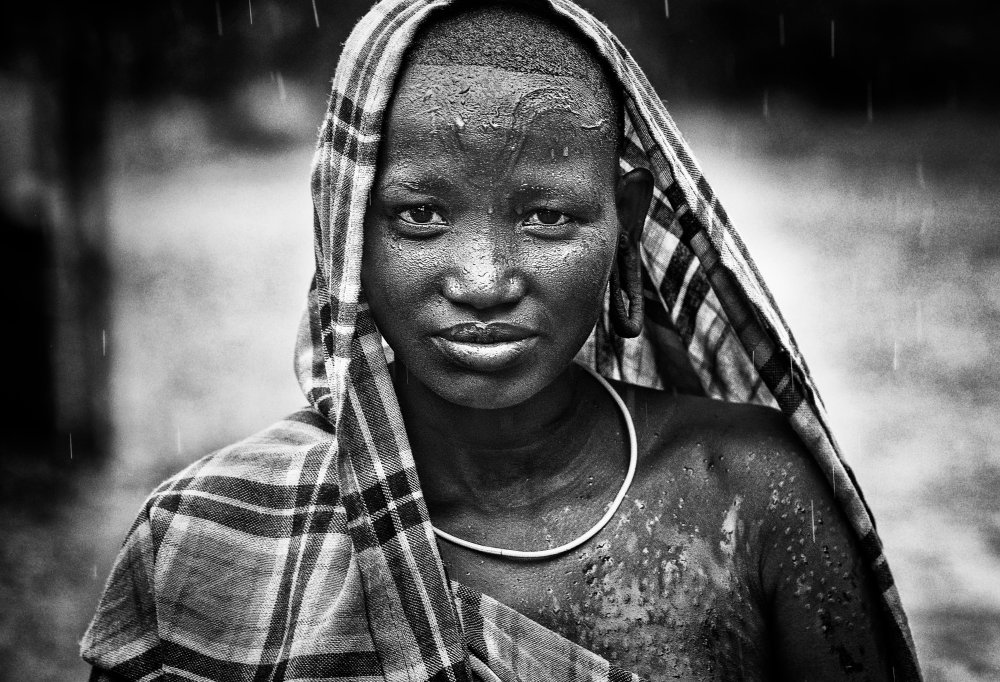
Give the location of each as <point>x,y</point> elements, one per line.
<point>306,551</point>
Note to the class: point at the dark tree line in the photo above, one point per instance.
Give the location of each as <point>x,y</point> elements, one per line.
<point>914,53</point>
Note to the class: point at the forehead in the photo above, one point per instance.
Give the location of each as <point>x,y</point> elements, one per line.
<point>487,116</point>
<point>477,87</point>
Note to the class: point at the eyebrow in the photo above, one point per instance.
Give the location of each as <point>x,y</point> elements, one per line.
<point>420,185</point>
<point>533,188</point>
<point>586,200</point>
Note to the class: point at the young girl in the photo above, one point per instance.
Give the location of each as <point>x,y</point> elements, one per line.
<point>498,192</point>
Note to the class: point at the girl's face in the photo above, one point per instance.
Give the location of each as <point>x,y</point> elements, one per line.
<point>492,228</point>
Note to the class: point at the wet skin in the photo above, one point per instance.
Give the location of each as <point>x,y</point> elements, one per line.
<point>495,203</point>
<point>495,221</point>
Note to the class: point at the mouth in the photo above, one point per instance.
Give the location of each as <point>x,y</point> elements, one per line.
<point>485,332</point>
<point>484,346</point>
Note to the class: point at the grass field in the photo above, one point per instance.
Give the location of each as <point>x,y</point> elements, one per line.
<point>880,241</point>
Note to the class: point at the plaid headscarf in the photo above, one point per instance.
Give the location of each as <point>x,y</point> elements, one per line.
<point>306,552</point>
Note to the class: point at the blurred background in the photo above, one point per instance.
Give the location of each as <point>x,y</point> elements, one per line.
<point>155,251</point>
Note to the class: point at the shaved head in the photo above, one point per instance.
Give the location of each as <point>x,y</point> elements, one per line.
<point>513,37</point>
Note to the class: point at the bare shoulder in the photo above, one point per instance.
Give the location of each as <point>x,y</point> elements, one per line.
<point>741,471</point>
<point>721,454</point>
<point>736,448</point>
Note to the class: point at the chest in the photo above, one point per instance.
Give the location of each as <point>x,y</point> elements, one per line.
<point>658,592</point>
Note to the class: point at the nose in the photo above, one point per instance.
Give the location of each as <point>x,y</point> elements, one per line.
<point>485,275</point>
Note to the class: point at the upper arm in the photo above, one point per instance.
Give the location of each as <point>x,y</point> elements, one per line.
<point>122,641</point>
<point>821,606</point>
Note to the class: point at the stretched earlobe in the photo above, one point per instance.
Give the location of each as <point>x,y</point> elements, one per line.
<point>627,321</point>
<point>635,190</point>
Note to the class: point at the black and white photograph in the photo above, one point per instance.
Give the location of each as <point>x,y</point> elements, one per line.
<point>500,341</point>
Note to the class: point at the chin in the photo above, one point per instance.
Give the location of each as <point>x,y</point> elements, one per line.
<point>492,391</point>
<point>485,383</point>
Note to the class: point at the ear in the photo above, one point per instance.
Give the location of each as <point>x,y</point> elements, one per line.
<point>634,192</point>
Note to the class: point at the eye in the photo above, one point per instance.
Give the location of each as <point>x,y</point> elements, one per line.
<point>422,215</point>
<point>547,218</point>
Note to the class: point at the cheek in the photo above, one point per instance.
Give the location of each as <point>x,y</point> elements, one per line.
<point>392,271</point>
<point>574,280</point>
<point>394,278</point>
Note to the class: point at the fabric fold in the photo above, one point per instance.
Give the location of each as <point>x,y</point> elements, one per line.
<point>504,645</point>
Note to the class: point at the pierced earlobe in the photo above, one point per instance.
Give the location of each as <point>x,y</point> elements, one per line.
<point>627,322</point>
<point>635,191</point>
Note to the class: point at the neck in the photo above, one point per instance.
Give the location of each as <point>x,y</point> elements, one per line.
<point>519,458</point>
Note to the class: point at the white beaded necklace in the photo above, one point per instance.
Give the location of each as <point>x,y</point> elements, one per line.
<point>573,544</point>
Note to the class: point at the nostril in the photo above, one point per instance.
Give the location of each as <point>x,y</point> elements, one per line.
<point>483,287</point>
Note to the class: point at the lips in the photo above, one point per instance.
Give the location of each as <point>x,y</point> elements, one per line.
<point>485,332</point>
<point>484,346</point>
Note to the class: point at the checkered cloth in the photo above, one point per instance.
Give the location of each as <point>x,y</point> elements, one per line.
<point>306,552</point>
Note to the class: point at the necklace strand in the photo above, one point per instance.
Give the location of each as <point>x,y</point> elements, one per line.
<point>615,504</point>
